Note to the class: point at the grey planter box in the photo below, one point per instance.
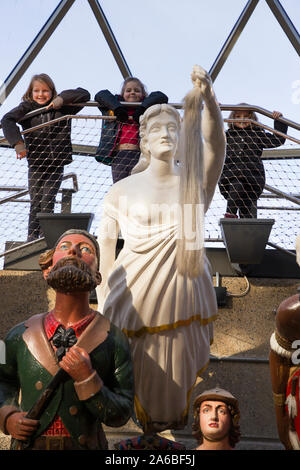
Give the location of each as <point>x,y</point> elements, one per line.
<point>54,225</point>
<point>245,239</point>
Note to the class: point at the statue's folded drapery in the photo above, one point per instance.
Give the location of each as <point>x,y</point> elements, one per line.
<point>148,299</point>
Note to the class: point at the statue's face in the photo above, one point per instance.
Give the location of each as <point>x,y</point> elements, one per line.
<point>74,265</point>
<point>215,420</point>
<point>162,136</point>
<point>76,245</point>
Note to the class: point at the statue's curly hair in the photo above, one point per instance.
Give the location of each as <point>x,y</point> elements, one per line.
<point>45,259</point>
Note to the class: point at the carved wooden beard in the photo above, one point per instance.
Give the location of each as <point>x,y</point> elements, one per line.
<point>71,275</point>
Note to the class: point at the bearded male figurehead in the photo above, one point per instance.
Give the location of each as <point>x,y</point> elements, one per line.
<point>72,265</point>
<point>71,338</point>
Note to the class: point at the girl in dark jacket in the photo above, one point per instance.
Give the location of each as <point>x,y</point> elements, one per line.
<point>47,149</point>
<point>243,177</point>
<point>119,143</point>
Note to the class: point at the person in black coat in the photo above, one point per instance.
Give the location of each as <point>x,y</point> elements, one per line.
<point>243,177</point>
<point>47,149</point>
<point>119,143</point>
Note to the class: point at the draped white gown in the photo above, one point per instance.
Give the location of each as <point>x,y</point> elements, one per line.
<point>167,317</point>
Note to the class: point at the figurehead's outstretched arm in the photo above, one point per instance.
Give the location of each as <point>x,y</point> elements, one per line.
<point>214,140</point>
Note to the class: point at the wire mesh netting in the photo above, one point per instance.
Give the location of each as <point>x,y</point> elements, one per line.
<point>27,188</point>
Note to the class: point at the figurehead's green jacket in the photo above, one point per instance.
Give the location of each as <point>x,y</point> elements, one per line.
<point>105,397</point>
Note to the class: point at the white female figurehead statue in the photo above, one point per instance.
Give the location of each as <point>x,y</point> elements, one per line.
<point>159,290</point>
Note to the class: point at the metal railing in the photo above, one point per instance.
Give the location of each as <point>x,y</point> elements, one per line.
<point>89,150</point>
<point>223,107</point>
<point>66,193</point>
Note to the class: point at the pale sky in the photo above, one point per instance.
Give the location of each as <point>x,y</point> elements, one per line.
<point>161,41</point>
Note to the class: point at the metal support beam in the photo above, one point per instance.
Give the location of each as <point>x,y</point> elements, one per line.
<point>34,48</point>
<point>66,200</point>
<point>110,38</point>
<point>273,245</point>
<point>232,38</point>
<point>286,24</point>
<point>282,194</point>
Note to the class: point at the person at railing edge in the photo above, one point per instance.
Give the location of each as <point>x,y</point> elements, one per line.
<point>243,177</point>
<point>47,149</point>
<point>119,143</point>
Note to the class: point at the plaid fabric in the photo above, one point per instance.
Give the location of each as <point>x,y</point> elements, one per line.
<point>57,427</point>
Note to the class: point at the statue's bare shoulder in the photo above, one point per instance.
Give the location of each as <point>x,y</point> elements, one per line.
<point>128,187</point>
